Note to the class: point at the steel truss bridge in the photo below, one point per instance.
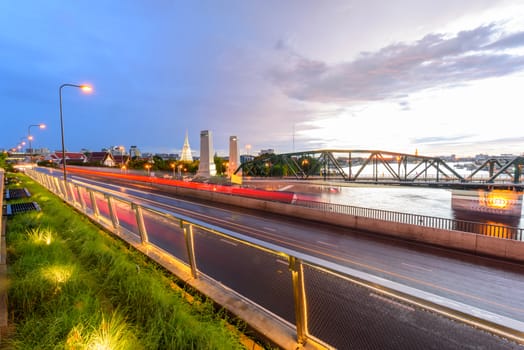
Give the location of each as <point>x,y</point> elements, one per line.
<point>374,166</point>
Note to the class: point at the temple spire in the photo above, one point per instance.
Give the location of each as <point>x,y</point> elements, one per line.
<point>186,151</point>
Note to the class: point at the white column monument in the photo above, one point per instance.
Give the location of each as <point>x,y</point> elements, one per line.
<point>234,156</point>
<point>207,163</point>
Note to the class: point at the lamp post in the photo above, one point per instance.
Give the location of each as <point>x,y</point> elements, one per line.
<point>121,148</point>
<point>173,166</point>
<point>30,138</point>
<point>85,88</point>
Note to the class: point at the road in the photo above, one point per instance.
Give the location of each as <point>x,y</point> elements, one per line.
<point>487,284</point>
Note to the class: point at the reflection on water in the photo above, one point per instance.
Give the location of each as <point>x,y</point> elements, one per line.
<point>434,202</point>
<point>414,200</point>
<point>502,232</point>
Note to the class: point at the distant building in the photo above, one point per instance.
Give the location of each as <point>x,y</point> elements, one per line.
<point>186,151</point>
<point>267,151</point>
<point>102,158</point>
<point>166,156</point>
<point>134,152</point>
<point>71,157</point>
<point>244,158</point>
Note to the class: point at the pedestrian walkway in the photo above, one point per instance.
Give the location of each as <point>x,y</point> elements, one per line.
<point>3,266</point>
<point>3,283</point>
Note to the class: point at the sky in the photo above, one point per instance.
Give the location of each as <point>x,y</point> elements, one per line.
<point>434,77</point>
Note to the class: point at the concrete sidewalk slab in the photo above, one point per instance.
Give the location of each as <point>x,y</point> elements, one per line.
<point>3,282</point>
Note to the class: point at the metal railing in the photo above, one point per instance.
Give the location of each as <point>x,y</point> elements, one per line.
<point>328,305</point>
<point>499,231</point>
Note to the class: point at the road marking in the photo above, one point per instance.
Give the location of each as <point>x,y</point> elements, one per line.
<point>229,242</point>
<point>282,262</point>
<point>417,267</point>
<point>328,244</point>
<point>392,302</point>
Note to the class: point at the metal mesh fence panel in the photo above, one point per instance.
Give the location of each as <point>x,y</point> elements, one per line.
<point>166,234</point>
<point>103,208</point>
<point>348,315</point>
<point>261,276</point>
<point>126,216</point>
<point>87,199</point>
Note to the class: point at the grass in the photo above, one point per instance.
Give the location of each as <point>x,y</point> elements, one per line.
<point>73,286</point>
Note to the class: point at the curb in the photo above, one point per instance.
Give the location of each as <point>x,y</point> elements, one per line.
<point>3,266</point>
<point>3,281</point>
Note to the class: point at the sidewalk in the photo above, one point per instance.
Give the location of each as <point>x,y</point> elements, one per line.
<point>3,281</point>
<point>3,266</point>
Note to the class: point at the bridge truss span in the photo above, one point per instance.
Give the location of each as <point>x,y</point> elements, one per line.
<point>375,166</point>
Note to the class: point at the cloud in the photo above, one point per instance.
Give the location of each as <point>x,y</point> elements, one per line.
<point>441,139</point>
<point>396,70</point>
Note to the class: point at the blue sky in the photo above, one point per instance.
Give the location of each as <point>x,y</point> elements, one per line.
<point>439,77</point>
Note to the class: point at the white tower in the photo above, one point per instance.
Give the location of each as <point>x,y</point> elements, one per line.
<point>186,151</point>
<point>207,163</point>
<point>234,156</point>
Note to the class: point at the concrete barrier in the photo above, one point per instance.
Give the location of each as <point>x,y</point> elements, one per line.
<point>458,240</point>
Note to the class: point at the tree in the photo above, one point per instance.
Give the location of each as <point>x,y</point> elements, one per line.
<point>220,165</point>
<point>3,157</point>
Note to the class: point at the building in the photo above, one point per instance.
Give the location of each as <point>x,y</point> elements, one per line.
<point>267,151</point>
<point>186,151</point>
<point>101,158</point>
<point>134,152</point>
<point>70,157</point>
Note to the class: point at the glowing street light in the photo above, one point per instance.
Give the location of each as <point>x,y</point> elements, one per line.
<point>121,148</point>
<point>173,166</point>
<point>30,138</point>
<point>85,88</point>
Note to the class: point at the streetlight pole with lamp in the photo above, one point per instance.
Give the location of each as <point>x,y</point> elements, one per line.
<point>173,166</point>
<point>85,88</point>
<point>121,148</point>
<point>30,138</point>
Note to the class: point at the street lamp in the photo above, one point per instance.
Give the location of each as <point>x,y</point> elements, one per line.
<point>173,167</point>
<point>85,88</point>
<point>30,138</point>
<point>121,148</point>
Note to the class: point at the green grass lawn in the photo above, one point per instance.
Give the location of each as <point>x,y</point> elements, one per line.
<point>73,286</point>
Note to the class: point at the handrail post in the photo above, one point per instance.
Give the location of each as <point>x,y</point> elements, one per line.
<point>70,193</point>
<point>58,187</point>
<point>190,246</point>
<point>81,199</point>
<point>299,296</point>
<point>96,211</point>
<point>112,211</point>
<point>140,223</point>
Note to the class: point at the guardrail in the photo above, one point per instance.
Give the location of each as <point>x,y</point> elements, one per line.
<point>325,304</point>
<point>499,231</point>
